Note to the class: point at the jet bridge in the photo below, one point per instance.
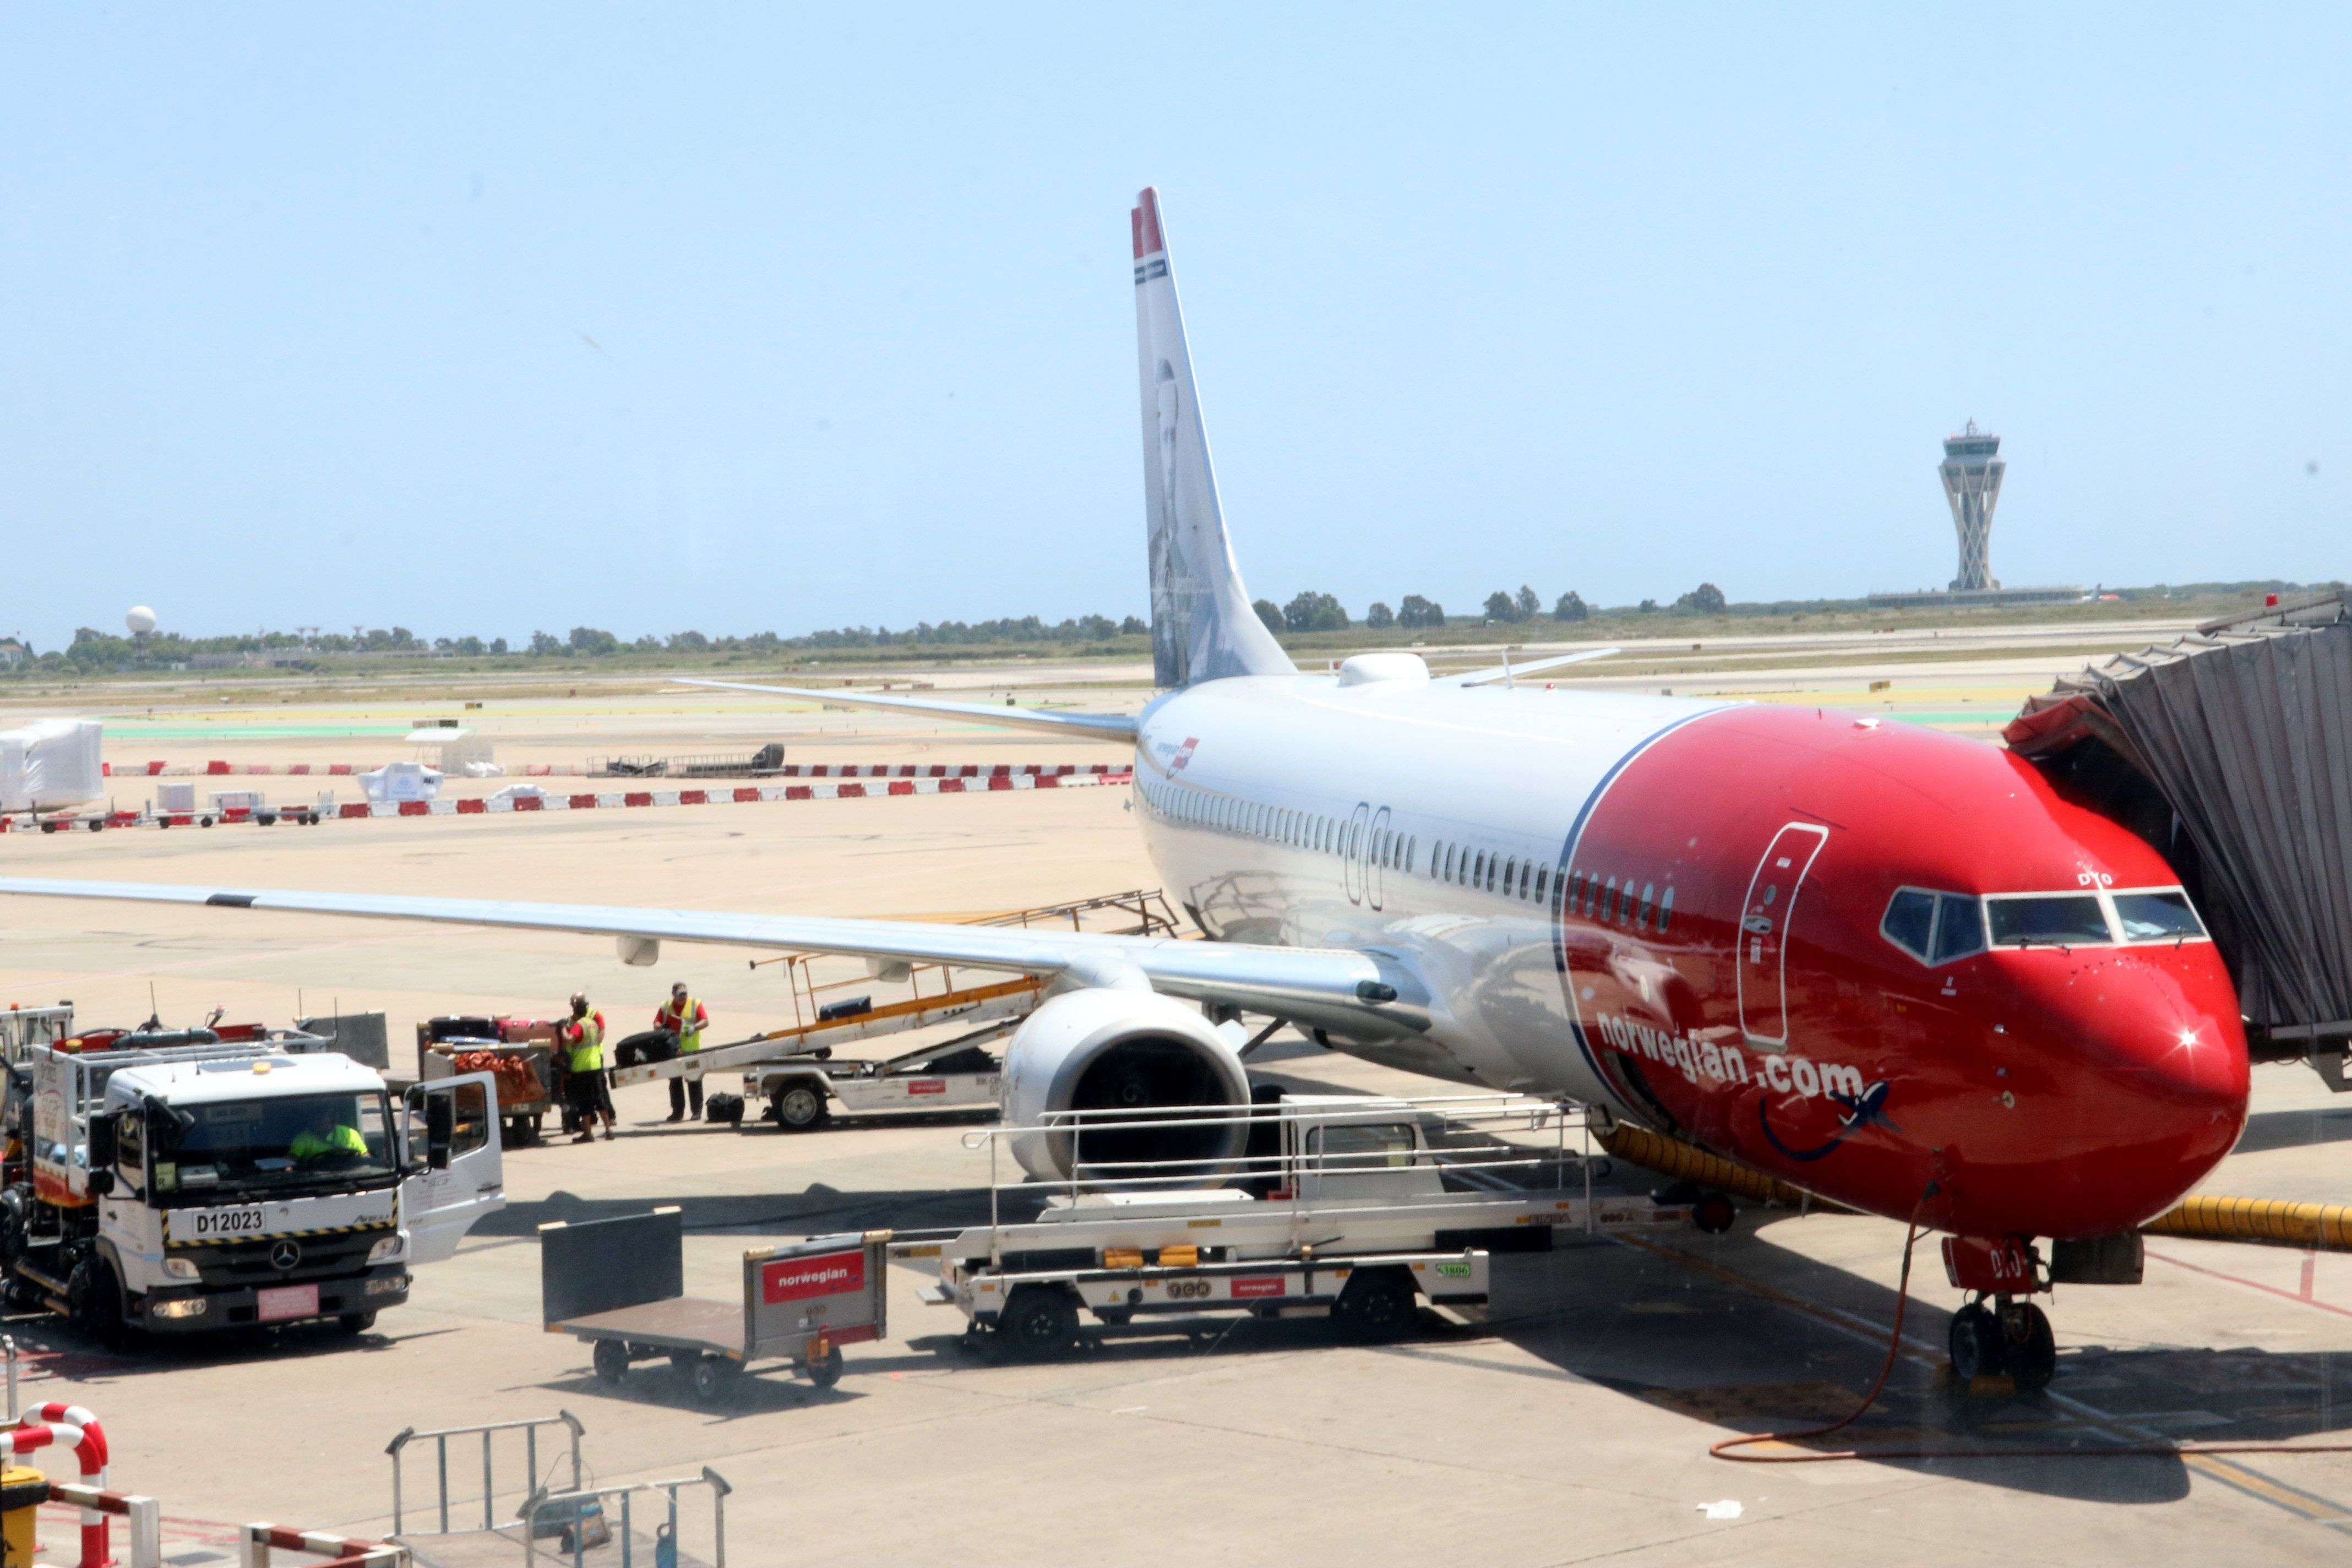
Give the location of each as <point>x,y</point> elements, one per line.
<point>2230,750</point>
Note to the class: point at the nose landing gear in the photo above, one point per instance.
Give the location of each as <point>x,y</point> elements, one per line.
<point>1996,1332</point>
<point>2008,1336</point>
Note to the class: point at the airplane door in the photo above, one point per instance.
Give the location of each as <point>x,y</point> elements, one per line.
<point>1764,931</point>
<point>1375,844</point>
<point>1351,853</point>
<point>452,1131</point>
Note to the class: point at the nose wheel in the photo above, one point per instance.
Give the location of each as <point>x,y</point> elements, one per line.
<point>2004,1336</point>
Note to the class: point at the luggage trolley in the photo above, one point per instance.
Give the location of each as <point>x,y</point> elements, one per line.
<point>619,1284</point>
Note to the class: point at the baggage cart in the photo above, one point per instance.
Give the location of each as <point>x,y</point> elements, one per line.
<point>619,1285</point>
<point>527,1091</point>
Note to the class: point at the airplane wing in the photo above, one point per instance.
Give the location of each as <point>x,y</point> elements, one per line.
<point>1096,726</point>
<point>1513,671</point>
<point>1355,992</point>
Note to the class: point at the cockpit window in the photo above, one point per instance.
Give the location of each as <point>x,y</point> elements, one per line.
<point>1934,928</point>
<point>2059,920</point>
<point>1959,927</point>
<point>2156,917</point>
<point>1910,921</point>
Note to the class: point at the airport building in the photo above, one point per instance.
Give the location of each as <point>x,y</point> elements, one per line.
<point>1971,472</point>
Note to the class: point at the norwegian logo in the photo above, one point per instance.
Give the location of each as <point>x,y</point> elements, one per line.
<point>798,1278</point>
<point>1251,1289</point>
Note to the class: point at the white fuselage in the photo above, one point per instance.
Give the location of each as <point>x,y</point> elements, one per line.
<point>1417,817</point>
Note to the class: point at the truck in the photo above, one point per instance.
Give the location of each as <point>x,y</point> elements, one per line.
<point>1347,1206</point>
<point>215,1184</point>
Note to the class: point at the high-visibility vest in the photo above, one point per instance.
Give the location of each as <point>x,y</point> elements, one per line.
<point>340,1140</point>
<point>587,1043</point>
<point>679,1019</point>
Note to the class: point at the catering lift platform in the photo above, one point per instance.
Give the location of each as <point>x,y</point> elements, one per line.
<point>1356,1207</point>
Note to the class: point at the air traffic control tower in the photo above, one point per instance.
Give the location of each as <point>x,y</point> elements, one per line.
<point>1971,472</point>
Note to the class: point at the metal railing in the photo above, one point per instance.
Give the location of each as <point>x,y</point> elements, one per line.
<point>533,1487</point>
<point>571,1510</point>
<point>1443,1115</point>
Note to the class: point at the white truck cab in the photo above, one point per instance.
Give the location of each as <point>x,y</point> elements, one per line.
<point>216,1186</point>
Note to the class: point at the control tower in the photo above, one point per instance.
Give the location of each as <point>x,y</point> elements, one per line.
<point>1971,472</point>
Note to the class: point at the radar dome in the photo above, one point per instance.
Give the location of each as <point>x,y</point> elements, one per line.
<point>141,620</point>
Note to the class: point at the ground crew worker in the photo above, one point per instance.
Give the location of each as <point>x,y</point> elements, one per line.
<point>326,1135</point>
<point>582,1036</point>
<point>687,1018</point>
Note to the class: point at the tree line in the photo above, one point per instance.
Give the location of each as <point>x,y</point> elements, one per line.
<point>1310,611</point>
<point>1319,612</point>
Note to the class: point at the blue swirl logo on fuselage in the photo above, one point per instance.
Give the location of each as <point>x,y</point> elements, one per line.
<point>1855,1113</point>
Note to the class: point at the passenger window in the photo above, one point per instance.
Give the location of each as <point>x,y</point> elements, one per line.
<point>1960,928</point>
<point>1909,921</point>
<point>1666,909</point>
<point>1478,869</point>
<point>1510,874</point>
<point>2056,919</point>
<point>1543,877</point>
<point>1411,845</point>
<point>1649,897</point>
<point>1609,901</point>
<point>2156,917</point>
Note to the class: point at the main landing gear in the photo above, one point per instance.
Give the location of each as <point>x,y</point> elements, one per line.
<point>1998,1333</point>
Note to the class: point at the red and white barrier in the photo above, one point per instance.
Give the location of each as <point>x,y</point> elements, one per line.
<point>71,1427</point>
<point>260,1539</point>
<point>577,769</point>
<point>616,800</point>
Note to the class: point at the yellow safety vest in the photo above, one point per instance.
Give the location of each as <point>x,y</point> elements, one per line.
<point>588,1051</point>
<point>681,1020</point>
<point>342,1139</point>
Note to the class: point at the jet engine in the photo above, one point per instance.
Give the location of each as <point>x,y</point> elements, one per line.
<point>1123,1051</point>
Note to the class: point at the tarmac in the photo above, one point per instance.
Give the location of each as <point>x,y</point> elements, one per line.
<point>1568,1422</point>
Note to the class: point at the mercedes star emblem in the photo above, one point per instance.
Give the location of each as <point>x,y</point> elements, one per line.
<point>286,1254</point>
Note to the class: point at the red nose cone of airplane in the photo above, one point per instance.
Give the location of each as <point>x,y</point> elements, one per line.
<point>2130,1085</point>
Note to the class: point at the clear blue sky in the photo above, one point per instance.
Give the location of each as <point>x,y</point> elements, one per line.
<point>485,319</point>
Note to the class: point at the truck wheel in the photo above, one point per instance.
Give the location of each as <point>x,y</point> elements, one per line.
<point>801,1108</point>
<point>827,1370</point>
<point>1038,1321</point>
<point>714,1379</point>
<point>96,1296</point>
<point>610,1360</point>
<point>356,1323</point>
<point>1377,1305</point>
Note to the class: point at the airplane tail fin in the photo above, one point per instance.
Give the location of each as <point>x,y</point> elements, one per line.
<point>1203,628</point>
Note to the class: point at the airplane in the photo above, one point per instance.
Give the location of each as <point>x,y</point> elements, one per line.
<point>1897,968</point>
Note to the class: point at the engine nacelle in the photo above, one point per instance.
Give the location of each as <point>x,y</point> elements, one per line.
<point>1106,1049</point>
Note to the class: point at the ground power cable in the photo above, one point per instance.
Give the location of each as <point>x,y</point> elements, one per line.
<point>1727,1448</point>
